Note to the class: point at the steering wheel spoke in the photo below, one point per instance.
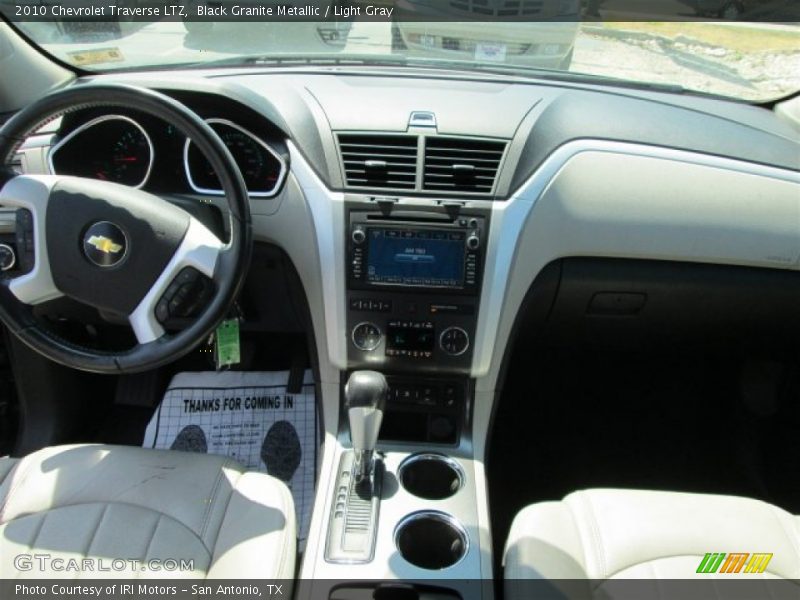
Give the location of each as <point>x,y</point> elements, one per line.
<point>31,193</point>
<point>200,250</point>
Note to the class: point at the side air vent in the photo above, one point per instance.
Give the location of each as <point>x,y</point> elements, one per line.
<point>379,161</point>
<point>461,165</point>
<point>16,163</point>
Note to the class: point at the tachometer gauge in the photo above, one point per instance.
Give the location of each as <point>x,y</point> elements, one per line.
<point>110,148</point>
<point>262,168</point>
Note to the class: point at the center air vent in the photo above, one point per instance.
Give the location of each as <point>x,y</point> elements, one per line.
<point>461,165</point>
<point>379,161</point>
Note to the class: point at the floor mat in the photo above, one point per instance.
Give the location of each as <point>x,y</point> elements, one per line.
<point>250,417</point>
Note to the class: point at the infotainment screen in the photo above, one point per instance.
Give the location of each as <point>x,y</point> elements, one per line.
<point>415,257</point>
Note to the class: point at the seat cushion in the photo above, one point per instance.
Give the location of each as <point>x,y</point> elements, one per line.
<point>134,504</point>
<point>630,534</point>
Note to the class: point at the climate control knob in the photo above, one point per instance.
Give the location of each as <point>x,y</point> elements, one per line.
<point>454,341</point>
<point>366,336</point>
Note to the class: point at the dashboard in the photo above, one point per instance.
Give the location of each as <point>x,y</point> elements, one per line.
<point>418,222</point>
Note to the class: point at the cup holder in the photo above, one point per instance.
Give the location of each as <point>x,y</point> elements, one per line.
<point>431,540</point>
<point>431,476</point>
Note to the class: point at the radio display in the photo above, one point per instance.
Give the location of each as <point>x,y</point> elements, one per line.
<point>415,257</point>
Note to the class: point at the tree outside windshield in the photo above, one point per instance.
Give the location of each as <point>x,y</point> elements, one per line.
<point>715,49</point>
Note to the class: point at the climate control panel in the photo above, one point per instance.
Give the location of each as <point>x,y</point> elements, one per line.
<point>418,332</point>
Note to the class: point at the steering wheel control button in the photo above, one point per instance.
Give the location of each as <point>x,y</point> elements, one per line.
<point>105,244</point>
<point>454,341</point>
<point>366,336</point>
<point>8,258</point>
<point>184,296</point>
<point>162,310</point>
<point>24,239</point>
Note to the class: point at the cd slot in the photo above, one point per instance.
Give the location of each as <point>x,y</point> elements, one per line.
<point>413,218</point>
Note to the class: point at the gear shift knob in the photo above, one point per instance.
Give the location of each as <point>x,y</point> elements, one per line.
<point>365,398</point>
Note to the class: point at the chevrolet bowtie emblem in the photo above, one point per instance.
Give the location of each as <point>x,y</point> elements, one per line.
<point>104,244</point>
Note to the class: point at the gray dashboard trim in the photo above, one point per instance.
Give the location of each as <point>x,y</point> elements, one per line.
<point>509,219</point>
<point>327,212</point>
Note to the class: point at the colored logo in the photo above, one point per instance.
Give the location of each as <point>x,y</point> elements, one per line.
<point>734,562</point>
<point>105,244</point>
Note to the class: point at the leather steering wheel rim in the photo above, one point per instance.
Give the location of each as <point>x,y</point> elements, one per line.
<point>231,264</point>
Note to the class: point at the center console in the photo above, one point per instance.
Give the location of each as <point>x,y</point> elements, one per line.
<point>412,290</point>
<point>402,503</point>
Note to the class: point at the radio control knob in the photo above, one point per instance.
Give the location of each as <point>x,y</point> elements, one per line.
<point>454,341</point>
<point>358,236</point>
<point>473,242</point>
<point>366,336</point>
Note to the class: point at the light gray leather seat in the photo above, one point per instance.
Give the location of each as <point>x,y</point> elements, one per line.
<point>604,534</point>
<point>134,504</point>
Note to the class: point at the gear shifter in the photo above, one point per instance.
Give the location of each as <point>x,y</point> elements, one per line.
<point>365,398</point>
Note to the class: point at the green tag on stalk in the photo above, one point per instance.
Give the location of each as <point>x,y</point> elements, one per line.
<point>227,343</point>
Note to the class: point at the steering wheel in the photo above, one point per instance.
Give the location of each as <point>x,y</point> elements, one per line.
<point>116,248</point>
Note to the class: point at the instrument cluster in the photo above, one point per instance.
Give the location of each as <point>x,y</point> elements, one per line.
<point>143,152</point>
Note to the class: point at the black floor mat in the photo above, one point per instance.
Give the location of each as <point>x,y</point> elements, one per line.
<point>576,420</point>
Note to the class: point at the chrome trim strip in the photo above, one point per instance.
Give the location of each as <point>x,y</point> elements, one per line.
<point>509,218</point>
<point>97,121</point>
<point>259,141</point>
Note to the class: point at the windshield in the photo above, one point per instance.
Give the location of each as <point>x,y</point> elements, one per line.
<point>728,56</point>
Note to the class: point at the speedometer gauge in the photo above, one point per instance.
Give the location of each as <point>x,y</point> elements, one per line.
<point>110,148</point>
<point>262,168</point>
